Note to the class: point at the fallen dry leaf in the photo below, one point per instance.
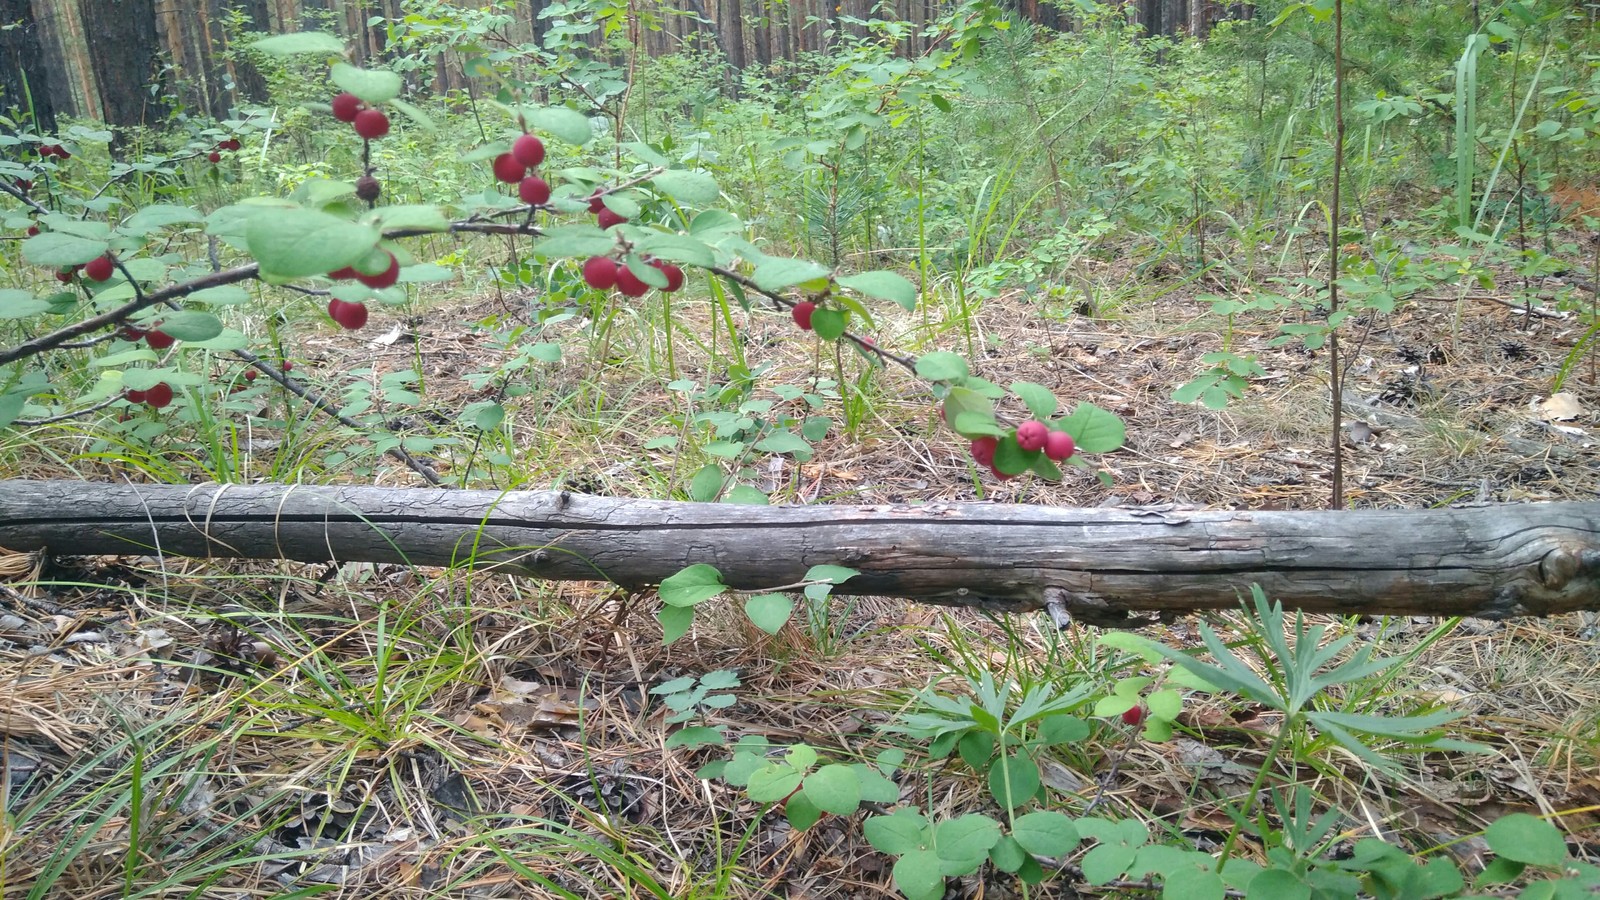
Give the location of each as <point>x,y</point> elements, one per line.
<point>1562,407</point>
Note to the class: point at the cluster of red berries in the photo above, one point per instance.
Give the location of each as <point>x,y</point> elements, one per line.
<point>604,273</point>
<point>516,167</point>
<point>354,315</point>
<point>23,185</point>
<point>1032,436</point>
<point>605,216</point>
<point>59,152</point>
<point>98,269</point>
<point>368,121</point>
<point>155,337</point>
<point>215,156</point>
<point>155,397</point>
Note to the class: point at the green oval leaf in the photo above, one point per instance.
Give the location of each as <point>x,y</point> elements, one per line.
<point>1093,429</point>
<point>575,241</point>
<point>295,243</point>
<point>835,789</point>
<point>773,782</point>
<point>57,249</point>
<point>883,285</point>
<point>693,585</point>
<point>371,85</point>
<point>1013,780</point>
<point>1527,839</point>
<point>942,365</point>
<point>569,125</point>
<point>776,274</point>
<point>918,875</point>
<point>299,42</point>
<point>769,612</point>
<point>190,325</point>
<point>897,834</point>
<point>684,186</point>
<point>15,304</point>
<point>1046,833</point>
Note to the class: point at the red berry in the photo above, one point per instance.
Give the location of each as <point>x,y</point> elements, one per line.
<point>596,203</point>
<point>629,284</point>
<point>98,269</point>
<point>1031,435</point>
<point>533,190</point>
<point>159,340</point>
<point>673,273</point>
<point>231,144</point>
<point>1058,445</point>
<point>999,474</point>
<point>62,152</point>
<point>131,333</point>
<point>345,274</point>
<point>158,396</point>
<point>346,106</point>
<point>288,365</point>
<point>383,279</point>
<point>33,230</point>
<point>371,124</point>
<point>606,218</point>
<point>600,272</point>
<point>983,450</point>
<point>528,150</point>
<point>508,170</point>
<point>368,188</point>
<point>214,157</point>
<point>65,275</point>
<point>24,185</point>
<point>348,315</point>
<point>133,396</point>
<point>802,314</point>
<point>251,375</point>
<point>1133,715</point>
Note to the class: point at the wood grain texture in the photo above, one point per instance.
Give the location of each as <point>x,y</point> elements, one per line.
<point>1490,561</point>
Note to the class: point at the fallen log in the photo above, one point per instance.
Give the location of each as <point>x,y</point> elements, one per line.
<point>1097,564</point>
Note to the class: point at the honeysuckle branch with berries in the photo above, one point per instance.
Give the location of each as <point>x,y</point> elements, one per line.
<point>317,233</point>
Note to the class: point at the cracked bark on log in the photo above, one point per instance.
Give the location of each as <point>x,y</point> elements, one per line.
<point>1097,564</point>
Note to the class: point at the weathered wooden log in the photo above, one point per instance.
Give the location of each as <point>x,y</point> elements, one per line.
<point>1490,561</point>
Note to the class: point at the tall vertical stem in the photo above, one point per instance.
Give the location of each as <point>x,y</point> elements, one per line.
<point>1336,500</point>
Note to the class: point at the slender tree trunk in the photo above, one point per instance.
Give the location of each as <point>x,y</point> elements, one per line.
<point>1335,253</point>
<point>24,78</point>
<point>121,43</point>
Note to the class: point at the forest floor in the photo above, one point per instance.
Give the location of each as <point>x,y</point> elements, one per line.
<point>245,729</point>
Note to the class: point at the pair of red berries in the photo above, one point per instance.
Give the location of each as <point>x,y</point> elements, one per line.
<point>98,269</point>
<point>604,273</point>
<point>1057,445</point>
<point>368,122</point>
<point>377,281</point>
<point>155,397</point>
<point>605,216</point>
<point>527,152</point>
<point>155,337</point>
<point>215,156</point>
<point>59,152</point>
<point>1033,436</point>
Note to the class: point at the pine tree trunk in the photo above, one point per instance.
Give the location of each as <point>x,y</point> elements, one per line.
<point>25,84</point>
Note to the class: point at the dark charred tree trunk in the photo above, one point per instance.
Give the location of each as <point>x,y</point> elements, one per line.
<point>24,78</point>
<point>732,32</point>
<point>248,82</point>
<point>122,48</point>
